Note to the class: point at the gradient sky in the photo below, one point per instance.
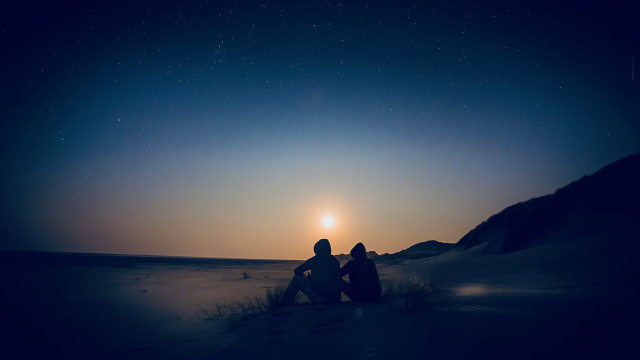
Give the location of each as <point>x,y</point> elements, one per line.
<point>232,128</point>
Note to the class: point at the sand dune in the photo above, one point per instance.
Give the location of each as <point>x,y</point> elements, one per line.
<point>604,204</point>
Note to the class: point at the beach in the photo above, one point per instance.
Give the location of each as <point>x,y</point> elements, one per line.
<point>538,303</point>
<point>106,306</point>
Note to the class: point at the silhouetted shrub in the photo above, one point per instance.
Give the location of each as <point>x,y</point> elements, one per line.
<point>257,305</point>
<point>408,296</point>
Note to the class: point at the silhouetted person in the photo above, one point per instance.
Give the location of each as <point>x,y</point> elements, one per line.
<point>325,284</point>
<point>363,276</point>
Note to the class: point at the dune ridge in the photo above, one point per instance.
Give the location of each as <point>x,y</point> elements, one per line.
<point>600,202</point>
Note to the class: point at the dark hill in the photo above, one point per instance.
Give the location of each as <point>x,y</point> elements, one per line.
<point>428,247</point>
<point>347,257</point>
<point>421,250</point>
<point>600,205</point>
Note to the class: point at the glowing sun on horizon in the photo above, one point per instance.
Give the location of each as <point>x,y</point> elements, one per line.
<point>328,222</point>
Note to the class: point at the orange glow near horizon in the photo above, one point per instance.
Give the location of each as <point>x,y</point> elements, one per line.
<point>277,208</point>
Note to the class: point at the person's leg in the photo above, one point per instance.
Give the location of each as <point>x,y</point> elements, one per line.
<point>290,293</point>
<point>298,283</point>
<point>304,285</point>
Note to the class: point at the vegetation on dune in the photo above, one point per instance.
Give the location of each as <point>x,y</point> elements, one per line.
<point>256,305</point>
<point>409,297</point>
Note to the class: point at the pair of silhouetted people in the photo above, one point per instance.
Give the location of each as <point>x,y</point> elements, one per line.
<point>326,284</point>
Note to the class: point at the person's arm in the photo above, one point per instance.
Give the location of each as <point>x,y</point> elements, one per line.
<point>345,269</point>
<point>303,267</point>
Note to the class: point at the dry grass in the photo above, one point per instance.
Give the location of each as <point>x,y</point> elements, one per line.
<point>409,296</point>
<point>270,302</point>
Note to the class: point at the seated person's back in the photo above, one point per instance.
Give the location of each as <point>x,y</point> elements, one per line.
<point>325,270</point>
<point>363,276</point>
<point>325,284</point>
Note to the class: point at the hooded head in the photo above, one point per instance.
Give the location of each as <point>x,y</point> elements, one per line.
<point>359,252</point>
<point>322,247</point>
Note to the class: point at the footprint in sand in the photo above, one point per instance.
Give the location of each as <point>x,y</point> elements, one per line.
<point>136,349</point>
<point>283,314</point>
<point>328,326</point>
<point>369,349</point>
<point>276,343</point>
<point>319,308</point>
<point>226,340</point>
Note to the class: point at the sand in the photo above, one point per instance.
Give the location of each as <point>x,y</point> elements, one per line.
<point>541,302</point>
<point>538,303</point>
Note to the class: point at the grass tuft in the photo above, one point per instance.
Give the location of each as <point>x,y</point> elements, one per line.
<point>410,297</point>
<point>256,305</point>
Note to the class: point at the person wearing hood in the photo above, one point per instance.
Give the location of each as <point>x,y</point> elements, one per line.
<point>325,283</point>
<point>364,283</point>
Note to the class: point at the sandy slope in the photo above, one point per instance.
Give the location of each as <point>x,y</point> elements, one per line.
<point>479,323</point>
<point>540,302</point>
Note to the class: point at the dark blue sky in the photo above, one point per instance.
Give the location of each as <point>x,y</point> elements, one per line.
<point>229,128</point>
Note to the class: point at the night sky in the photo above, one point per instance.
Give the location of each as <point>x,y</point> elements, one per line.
<point>233,128</point>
